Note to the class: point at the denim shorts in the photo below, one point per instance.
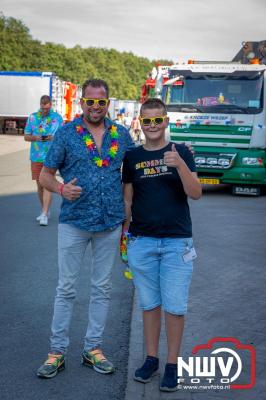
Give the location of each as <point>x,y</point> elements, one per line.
<point>161,273</point>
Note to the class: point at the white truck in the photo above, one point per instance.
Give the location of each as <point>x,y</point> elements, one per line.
<point>20,94</point>
<point>220,108</point>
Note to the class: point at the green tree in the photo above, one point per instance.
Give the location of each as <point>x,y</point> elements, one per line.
<point>124,72</point>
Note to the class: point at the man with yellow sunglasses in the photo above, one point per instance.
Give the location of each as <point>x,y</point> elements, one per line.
<point>88,152</point>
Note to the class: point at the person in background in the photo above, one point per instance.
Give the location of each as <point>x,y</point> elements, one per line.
<point>119,119</point>
<point>136,129</point>
<point>88,152</point>
<point>39,130</point>
<point>158,178</point>
<point>127,120</point>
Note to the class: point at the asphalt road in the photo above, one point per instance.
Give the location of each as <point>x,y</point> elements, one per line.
<point>28,266</point>
<point>227,297</point>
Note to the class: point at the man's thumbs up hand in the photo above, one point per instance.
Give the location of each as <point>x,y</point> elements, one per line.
<point>73,181</point>
<point>71,191</point>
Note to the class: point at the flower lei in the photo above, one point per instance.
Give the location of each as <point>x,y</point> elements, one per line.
<point>91,146</point>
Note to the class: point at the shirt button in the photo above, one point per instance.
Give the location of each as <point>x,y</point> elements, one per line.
<point>102,177</point>
<point>102,194</point>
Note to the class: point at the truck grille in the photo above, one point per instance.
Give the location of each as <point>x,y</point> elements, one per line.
<point>214,160</point>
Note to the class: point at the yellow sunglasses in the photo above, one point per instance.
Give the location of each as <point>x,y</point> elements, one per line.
<point>92,102</point>
<point>146,121</point>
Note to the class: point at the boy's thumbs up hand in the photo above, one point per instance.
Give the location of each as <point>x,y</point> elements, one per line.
<point>174,148</point>
<point>172,158</point>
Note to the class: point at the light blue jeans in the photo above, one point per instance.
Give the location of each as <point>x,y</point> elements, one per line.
<point>161,274</point>
<point>72,244</point>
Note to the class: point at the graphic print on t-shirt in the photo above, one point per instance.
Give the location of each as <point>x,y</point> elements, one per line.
<point>152,168</point>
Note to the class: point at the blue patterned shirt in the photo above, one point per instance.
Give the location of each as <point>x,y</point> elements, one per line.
<point>100,206</point>
<point>40,125</point>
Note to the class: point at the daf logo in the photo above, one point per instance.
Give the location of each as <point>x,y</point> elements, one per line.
<point>243,129</point>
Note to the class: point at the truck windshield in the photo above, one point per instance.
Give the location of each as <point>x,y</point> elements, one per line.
<point>239,92</point>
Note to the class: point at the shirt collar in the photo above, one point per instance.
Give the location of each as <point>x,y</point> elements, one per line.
<point>49,113</point>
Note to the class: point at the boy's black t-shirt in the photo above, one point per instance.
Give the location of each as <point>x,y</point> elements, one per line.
<point>159,207</point>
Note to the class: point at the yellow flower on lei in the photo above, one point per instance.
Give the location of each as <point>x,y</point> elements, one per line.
<point>99,162</point>
<point>88,142</point>
<point>113,131</point>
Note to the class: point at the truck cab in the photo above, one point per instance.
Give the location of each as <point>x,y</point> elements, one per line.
<point>219,108</point>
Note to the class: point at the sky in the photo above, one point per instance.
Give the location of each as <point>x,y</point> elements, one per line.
<point>175,30</point>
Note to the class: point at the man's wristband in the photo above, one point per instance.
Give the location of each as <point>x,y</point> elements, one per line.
<point>61,188</point>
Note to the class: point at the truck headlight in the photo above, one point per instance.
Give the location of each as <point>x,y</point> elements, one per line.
<point>252,161</point>
<point>200,160</point>
<point>212,161</point>
<point>224,162</point>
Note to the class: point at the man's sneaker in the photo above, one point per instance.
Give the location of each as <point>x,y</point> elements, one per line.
<point>54,363</point>
<point>169,381</point>
<point>148,370</point>
<point>44,220</point>
<point>96,360</point>
<point>40,216</point>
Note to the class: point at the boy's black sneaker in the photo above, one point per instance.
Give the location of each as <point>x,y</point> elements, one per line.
<point>148,370</point>
<point>169,381</point>
<point>54,363</point>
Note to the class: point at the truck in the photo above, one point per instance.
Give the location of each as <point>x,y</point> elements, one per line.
<point>155,79</point>
<point>219,107</point>
<point>20,94</point>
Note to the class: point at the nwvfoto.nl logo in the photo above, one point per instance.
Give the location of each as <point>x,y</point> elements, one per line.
<point>223,361</point>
